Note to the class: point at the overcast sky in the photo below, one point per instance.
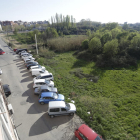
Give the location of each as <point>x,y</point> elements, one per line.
<point>96,10</point>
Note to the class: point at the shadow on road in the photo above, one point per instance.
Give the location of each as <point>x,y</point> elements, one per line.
<point>27,79</point>
<point>45,124</point>
<point>23,71</point>
<point>26,74</point>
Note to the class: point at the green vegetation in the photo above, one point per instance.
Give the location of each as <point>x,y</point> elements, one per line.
<point>100,72</point>
<point>110,95</point>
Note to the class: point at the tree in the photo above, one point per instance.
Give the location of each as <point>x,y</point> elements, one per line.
<point>88,32</point>
<point>15,31</point>
<point>135,42</point>
<point>111,48</point>
<point>95,45</point>
<point>115,32</point>
<point>85,44</point>
<point>106,37</point>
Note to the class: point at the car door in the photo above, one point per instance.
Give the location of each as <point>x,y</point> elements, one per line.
<point>46,99</point>
<point>64,111</point>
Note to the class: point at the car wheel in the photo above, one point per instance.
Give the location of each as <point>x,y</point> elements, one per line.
<point>42,103</point>
<point>76,138</point>
<point>71,114</point>
<point>52,116</point>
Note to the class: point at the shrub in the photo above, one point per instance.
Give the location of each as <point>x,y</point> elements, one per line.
<point>95,45</point>
<point>85,44</point>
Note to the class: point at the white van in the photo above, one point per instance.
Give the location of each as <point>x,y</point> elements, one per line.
<point>57,108</point>
<point>36,72</point>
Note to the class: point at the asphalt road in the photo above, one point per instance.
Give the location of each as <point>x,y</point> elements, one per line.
<point>31,119</point>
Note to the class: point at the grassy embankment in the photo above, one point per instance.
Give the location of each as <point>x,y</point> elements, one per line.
<point>111,95</point>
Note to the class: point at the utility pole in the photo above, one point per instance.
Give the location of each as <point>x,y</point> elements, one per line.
<point>36,44</point>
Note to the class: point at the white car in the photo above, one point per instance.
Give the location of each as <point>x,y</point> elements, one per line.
<point>42,82</point>
<point>47,76</point>
<point>0,71</point>
<point>44,88</point>
<point>37,67</point>
<point>28,59</point>
<point>26,56</point>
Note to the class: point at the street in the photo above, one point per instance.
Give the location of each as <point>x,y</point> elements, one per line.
<point>31,119</point>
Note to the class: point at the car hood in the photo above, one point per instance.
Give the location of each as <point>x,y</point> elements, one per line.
<point>61,97</point>
<point>54,89</point>
<point>51,83</point>
<point>72,107</point>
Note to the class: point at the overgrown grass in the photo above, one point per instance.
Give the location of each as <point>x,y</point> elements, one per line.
<point>67,43</point>
<point>113,100</point>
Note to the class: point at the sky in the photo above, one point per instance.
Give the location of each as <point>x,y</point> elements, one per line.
<point>96,10</point>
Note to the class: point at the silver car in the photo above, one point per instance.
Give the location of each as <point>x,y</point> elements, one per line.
<point>44,88</point>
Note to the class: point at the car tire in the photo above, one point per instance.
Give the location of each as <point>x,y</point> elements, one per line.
<point>51,116</point>
<point>76,138</point>
<point>42,103</point>
<point>71,114</point>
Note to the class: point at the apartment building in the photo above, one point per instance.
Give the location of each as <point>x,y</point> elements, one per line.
<point>7,127</point>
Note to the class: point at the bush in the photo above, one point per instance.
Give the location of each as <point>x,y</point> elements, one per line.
<point>95,45</point>
<point>85,44</point>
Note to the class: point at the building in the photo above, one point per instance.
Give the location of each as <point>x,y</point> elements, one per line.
<point>7,128</point>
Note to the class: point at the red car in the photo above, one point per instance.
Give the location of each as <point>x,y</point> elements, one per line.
<point>1,52</point>
<point>15,50</point>
<point>86,133</point>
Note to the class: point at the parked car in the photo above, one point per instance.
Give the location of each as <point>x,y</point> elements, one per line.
<point>6,90</point>
<point>47,76</point>
<point>19,50</point>
<point>37,66</point>
<point>60,108</point>
<point>29,59</point>
<point>2,52</point>
<point>14,50</point>
<point>0,71</point>
<point>44,88</point>
<point>36,72</point>
<point>46,97</point>
<point>26,56</point>
<point>32,64</point>
<point>41,82</point>
<point>86,133</point>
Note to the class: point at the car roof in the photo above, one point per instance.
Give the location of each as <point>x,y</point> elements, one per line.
<point>87,132</point>
<point>39,80</point>
<point>45,87</point>
<point>48,94</point>
<point>54,104</point>
<point>38,69</point>
<point>44,74</point>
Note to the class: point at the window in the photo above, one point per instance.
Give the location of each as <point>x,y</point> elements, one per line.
<point>82,136</point>
<point>63,109</point>
<point>54,110</point>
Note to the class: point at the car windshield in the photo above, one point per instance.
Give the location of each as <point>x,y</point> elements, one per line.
<point>43,70</point>
<point>68,106</point>
<point>39,66</point>
<point>55,96</point>
<point>47,82</point>
<point>38,77</point>
<point>98,138</point>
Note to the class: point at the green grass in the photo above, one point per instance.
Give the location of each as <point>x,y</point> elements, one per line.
<point>113,101</point>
